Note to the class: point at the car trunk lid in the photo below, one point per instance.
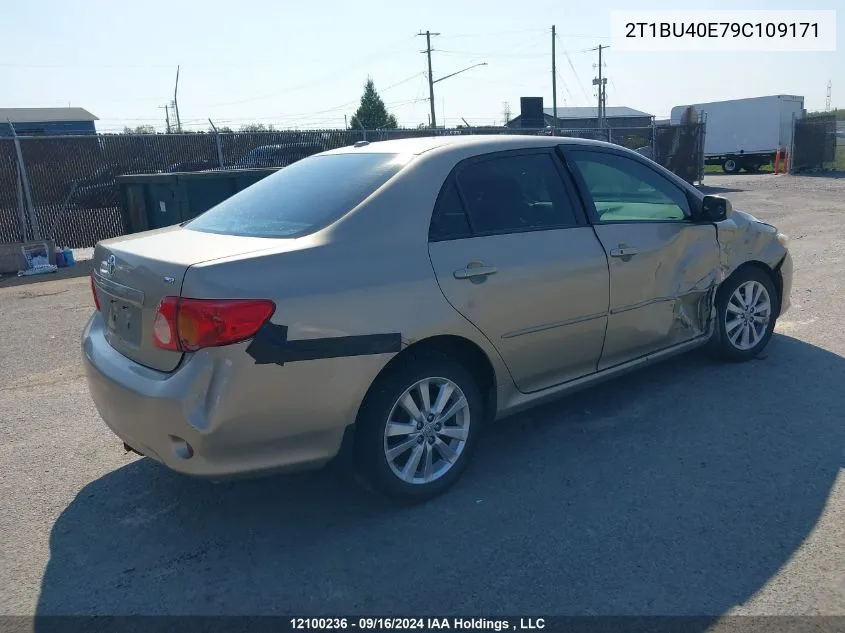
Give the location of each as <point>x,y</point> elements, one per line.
<point>132,274</point>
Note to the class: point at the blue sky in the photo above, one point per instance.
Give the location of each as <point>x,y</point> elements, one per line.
<point>303,64</point>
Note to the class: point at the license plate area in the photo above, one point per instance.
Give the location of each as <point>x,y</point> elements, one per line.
<point>124,321</point>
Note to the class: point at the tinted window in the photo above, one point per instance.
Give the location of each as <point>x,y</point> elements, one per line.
<point>626,190</point>
<point>301,198</point>
<point>514,193</point>
<point>449,220</point>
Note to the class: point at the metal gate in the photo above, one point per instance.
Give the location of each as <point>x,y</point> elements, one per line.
<point>814,143</point>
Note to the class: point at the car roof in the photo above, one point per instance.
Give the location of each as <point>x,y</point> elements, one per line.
<point>481,142</point>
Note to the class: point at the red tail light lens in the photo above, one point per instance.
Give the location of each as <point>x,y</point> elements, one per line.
<point>191,324</point>
<point>94,292</point>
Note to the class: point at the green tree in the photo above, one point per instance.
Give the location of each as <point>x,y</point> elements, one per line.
<point>141,129</point>
<point>256,127</point>
<point>372,114</point>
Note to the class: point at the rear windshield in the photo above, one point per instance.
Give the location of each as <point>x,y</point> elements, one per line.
<point>301,198</point>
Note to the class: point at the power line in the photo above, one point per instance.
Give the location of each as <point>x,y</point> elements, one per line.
<point>342,70</point>
<point>565,87</point>
<point>577,77</point>
<point>496,33</point>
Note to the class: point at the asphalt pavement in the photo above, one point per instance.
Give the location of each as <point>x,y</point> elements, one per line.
<point>691,487</point>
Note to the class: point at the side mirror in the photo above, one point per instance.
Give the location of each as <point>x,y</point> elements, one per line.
<point>715,209</point>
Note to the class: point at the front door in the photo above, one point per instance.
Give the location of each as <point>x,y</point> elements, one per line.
<point>513,254</point>
<point>663,267</point>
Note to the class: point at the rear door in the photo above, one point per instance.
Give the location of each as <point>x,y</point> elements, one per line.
<point>513,254</point>
<point>663,266</point>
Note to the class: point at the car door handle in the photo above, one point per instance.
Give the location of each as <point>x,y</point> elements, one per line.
<point>471,272</point>
<point>626,251</point>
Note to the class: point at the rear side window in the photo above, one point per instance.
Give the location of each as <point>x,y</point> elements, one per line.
<point>449,220</point>
<point>515,193</point>
<point>301,198</point>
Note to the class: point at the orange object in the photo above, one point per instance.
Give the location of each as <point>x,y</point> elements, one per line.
<point>777,162</point>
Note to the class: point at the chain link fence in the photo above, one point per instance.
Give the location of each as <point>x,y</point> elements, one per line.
<point>75,199</point>
<point>814,143</point>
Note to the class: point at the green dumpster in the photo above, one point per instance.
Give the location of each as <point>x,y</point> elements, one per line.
<point>152,201</point>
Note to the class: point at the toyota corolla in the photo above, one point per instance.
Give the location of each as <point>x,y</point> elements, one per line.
<point>391,299</point>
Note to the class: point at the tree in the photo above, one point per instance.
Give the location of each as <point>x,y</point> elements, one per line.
<point>141,129</point>
<point>256,127</point>
<point>372,114</point>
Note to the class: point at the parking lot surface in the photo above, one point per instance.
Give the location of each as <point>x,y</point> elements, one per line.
<point>691,487</point>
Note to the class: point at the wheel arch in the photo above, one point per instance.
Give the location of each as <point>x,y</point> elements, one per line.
<point>460,349</point>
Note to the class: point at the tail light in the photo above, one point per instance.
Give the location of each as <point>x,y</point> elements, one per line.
<point>186,325</point>
<point>94,292</point>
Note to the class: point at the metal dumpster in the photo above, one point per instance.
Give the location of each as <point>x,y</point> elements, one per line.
<point>152,201</point>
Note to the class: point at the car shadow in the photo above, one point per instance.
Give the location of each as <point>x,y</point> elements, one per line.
<point>681,489</point>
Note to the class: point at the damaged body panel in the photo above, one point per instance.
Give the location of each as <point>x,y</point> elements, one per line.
<point>660,296</point>
<point>743,239</point>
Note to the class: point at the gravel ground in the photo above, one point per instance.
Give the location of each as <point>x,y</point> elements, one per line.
<point>691,487</point>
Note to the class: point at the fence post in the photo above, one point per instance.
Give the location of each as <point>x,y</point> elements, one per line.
<point>791,155</point>
<point>218,143</point>
<point>21,212</point>
<point>33,219</point>
<point>653,144</point>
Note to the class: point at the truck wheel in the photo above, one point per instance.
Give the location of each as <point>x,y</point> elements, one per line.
<point>730,166</point>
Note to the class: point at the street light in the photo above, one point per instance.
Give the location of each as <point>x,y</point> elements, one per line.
<point>431,83</point>
<point>459,72</point>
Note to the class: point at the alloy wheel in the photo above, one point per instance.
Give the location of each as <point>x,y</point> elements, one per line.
<point>747,316</point>
<point>427,430</point>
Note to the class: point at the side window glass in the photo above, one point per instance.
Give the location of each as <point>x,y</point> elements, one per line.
<point>623,190</point>
<point>515,193</point>
<point>449,220</point>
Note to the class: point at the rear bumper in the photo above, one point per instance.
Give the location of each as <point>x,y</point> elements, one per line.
<point>219,415</point>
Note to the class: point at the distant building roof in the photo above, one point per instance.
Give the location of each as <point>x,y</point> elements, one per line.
<point>616,112</point>
<point>45,115</point>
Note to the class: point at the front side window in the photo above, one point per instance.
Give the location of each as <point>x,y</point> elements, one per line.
<point>301,198</point>
<point>515,193</point>
<point>624,190</point>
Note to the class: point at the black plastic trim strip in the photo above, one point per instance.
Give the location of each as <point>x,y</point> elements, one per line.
<point>271,346</point>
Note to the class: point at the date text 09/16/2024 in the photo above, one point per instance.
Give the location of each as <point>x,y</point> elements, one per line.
<point>418,624</point>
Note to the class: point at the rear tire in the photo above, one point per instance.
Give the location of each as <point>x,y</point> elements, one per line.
<point>417,429</point>
<point>746,312</point>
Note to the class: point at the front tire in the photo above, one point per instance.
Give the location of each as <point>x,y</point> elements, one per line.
<point>417,428</point>
<point>746,314</point>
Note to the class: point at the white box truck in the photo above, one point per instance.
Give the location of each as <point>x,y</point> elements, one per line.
<point>745,133</point>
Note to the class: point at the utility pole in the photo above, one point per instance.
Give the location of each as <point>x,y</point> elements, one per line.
<point>176,102</point>
<point>506,112</point>
<point>554,84</point>
<point>427,51</point>
<point>166,116</point>
<point>601,82</point>
<point>827,98</point>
